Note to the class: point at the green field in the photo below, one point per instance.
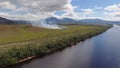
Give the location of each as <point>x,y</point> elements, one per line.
<point>21,41</point>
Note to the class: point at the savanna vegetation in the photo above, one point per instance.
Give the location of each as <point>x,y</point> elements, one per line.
<point>18,42</point>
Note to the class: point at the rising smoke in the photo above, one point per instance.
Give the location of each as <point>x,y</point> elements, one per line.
<point>49,25</point>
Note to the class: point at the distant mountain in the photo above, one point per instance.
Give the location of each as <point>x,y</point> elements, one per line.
<point>6,21</point>
<point>84,21</point>
<point>98,21</point>
<point>21,22</point>
<point>54,20</point>
<point>60,21</point>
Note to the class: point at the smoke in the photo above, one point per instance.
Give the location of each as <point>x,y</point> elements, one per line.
<point>116,25</point>
<point>49,25</point>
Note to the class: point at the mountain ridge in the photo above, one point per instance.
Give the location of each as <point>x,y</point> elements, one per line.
<point>54,20</point>
<point>83,21</point>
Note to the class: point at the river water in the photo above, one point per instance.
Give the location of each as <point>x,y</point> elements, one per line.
<point>102,51</point>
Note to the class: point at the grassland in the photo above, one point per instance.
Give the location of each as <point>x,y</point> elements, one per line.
<point>18,42</point>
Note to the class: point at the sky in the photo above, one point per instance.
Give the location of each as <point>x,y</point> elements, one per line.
<point>76,9</point>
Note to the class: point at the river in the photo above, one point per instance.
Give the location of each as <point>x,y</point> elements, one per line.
<point>101,51</point>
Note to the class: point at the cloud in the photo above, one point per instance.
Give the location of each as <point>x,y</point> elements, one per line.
<point>23,9</point>
<point>115,7</point>
<point>87,11</point>
<point>70,12</point>
<point>73,15</point>
<point>112,11</point>
<point>112,15</point>
<point>117,16</point>
<point>7,5</point>
<point>27,16</point>
<point>40,5</point>
<point>96,7</point>
<point>39,9</point>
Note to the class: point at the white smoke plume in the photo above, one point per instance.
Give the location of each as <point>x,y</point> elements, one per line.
<point>49,25</point>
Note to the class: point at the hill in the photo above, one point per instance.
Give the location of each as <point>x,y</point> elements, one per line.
<point>54,20</point>
<point>84,21</point>
<point>6,21</point>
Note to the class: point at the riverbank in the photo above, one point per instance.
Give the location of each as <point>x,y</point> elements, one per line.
<point>55,40</point>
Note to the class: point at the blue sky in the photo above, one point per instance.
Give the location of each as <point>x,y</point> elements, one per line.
<point>96,9</point>
<point>101,5</point>
<point>76,9</point>
<point>83,4</point>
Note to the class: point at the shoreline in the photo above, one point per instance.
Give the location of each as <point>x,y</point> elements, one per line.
<point>51,47</point>
<point>56,50</point>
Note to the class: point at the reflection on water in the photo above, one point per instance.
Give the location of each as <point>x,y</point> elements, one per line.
<point>102,51</point>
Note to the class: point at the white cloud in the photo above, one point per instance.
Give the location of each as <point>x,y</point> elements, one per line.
<point>35,8</point>
<point>27,16</point>
<point>7,5</point>
<point>39,9</point>
<point>69,7</point>
<point>41,5</point>
<point>96,7</point>
<point>70,12</point>
<point>112,15</point>
<point>87,11</point>
<point>112,12</point>
<point>115,7</point>
<point>73,15</point>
